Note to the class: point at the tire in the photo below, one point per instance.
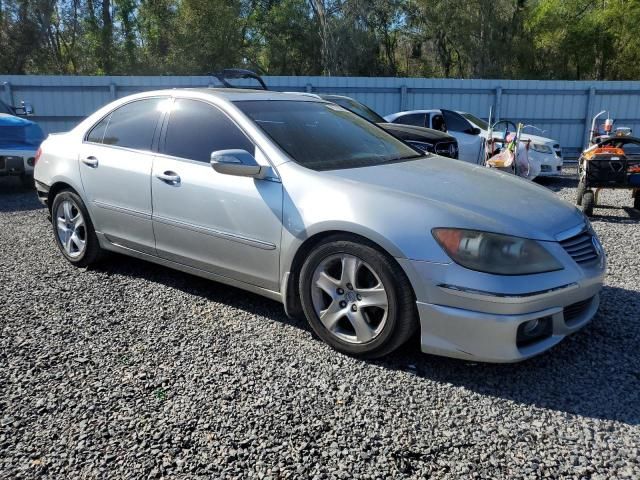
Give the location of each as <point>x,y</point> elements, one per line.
<point>580,193</point>
<point>27,181</point>
<point>385,318</point>
<point>636,200</point>
<point>588,202</point>
<point>66,224</point>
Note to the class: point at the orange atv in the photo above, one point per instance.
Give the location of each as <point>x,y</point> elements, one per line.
<point>612,162</point>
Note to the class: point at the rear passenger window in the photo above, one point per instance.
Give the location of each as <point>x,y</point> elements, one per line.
<point>196,129</point>
<point>415,119</point>
<point>132,125</point>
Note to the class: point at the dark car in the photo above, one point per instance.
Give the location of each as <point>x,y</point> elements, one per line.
<point>426,139</point>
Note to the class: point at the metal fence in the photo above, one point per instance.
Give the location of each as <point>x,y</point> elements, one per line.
<point>559,108</point>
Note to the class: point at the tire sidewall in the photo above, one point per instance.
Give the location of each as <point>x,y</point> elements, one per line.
<point>376,261</point>
<point>80,260</point>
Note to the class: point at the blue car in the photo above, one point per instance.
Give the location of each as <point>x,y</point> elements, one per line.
<point>20,140</point>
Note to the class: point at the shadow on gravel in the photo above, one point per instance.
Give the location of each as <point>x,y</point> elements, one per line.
<point>594,373</point>
<point>15,198</point>
<point>201,287</point>
<point>555,184</point>
<point>632,215</point>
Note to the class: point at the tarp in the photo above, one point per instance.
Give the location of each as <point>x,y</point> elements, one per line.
<point>19,134</point>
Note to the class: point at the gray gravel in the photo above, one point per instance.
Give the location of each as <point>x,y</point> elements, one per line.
<point>131,370</point>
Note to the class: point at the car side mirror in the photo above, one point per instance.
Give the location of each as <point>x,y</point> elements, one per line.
<point>24,110</point>
<point>474,131</point>
<point>236,162</point>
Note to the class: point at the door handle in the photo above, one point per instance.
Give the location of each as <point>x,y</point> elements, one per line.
<point>169,177</point>
<point>90,161</point>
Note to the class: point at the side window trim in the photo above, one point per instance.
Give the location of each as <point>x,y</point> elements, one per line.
<point>156,131</point>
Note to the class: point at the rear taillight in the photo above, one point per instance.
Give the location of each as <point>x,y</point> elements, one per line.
<point>37,157</point>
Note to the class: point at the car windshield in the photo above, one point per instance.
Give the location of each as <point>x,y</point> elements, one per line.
<point>324,136</point>
<point>476,121</point>
<point>358,109</point>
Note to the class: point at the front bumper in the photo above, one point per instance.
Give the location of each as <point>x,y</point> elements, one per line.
<point>550,164</point>
<point>481,321</point>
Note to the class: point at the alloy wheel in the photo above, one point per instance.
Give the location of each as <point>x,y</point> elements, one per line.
<point>71,228</point>
<point>349,298</point>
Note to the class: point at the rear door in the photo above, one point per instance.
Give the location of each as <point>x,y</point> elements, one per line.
<point>469,141</point>
<point>115,167</point>
<point>223,224</point>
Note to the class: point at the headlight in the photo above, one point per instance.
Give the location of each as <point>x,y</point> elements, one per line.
<point>541,148</point>
<point>494,253</point>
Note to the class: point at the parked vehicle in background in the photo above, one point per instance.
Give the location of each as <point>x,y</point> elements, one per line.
<point>302,201</point>
<point>426,139</point>
<point>19,142</point>
<point>471,131</point>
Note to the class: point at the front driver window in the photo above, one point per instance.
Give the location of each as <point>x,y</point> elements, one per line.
<point>197,128</point>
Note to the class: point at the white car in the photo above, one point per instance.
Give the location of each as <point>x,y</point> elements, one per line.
<point>470,131</point>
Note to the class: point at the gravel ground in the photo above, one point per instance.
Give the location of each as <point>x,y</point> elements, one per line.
<point>131,370</point>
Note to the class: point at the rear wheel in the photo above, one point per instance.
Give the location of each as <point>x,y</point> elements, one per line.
<point>73,230</point>
<point>356,298</point>
<point>588,202</point>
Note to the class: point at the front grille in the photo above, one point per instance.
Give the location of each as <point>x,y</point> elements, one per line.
<point>545,168</point>
<point>447,149</point>
<point>575,310</point>
<point>581,248</point>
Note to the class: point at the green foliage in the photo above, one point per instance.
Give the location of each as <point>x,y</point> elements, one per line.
<point>546,39</point>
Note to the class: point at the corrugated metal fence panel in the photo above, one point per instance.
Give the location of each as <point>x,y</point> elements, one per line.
<point>561,109</point>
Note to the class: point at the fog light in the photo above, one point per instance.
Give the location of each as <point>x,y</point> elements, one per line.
<point>533,331</point>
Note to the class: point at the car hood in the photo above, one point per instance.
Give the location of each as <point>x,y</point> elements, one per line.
<point>457,194</point>
<point>409,132</point>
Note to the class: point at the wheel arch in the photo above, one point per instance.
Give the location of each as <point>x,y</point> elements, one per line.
<point>56,188</point>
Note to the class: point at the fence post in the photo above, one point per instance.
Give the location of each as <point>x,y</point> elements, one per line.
<point>403,98</point>
<point>309,88</point>
<point>588,115</point>
<point>8,93</point>
<point>113,89</point>
<point>498,105</point>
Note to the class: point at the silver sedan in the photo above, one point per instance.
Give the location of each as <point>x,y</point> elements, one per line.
<point>304,202</point>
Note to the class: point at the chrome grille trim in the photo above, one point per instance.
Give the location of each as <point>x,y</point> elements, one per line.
<point>580,247</point>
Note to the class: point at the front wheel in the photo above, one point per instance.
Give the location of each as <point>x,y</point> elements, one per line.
<point>588,202</point>
<point>580,193</point>
<point>356,298</point>
<point>73,230</point>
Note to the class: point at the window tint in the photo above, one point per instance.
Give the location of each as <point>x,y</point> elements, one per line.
<point>358,109</point>
<point>455,122</point>
<point>196,129</point>
<point>323,136</point>
<point>97,133</point>
<point>415,119</point>
<point>133,124</point>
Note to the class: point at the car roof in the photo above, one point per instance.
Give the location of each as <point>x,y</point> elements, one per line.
<point>235,94</point>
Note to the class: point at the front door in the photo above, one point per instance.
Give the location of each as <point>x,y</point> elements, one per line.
<point>224,224</point>
<point>115,168</point>
<point>470,142</point>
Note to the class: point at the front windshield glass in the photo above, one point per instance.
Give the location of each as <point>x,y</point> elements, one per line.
<point>358,109</point>
<point>476,121</point>
<point>324,136</point>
